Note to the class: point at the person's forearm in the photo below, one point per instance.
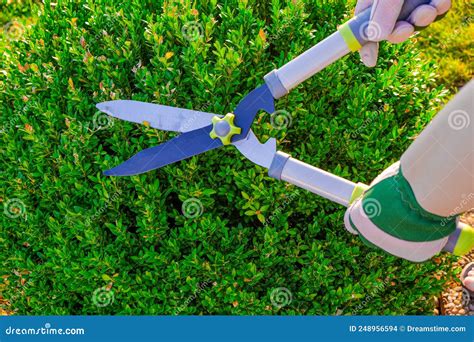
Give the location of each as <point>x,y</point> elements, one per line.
<point>439,164</point>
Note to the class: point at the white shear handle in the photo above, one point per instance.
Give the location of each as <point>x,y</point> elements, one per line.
<point>350,36</point>
<point>320,182</point>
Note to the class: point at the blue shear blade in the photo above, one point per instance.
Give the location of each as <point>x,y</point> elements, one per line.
<point>260,98</point>
<point>181,147</point>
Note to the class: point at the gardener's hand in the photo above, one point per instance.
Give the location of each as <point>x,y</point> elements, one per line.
<point>384,23</point>
<point>388,216</point>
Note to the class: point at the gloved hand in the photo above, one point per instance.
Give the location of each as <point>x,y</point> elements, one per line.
<point>384,25</point>
<point>387,215</point>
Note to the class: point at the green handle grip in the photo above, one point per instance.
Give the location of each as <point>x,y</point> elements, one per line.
<point>460,242</point>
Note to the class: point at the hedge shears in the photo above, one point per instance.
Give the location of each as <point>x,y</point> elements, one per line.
<point>202,131</point>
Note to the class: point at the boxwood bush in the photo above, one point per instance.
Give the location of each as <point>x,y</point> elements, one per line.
<point>212,234</point>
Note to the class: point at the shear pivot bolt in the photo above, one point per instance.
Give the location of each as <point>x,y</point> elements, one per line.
<point>224,128</point>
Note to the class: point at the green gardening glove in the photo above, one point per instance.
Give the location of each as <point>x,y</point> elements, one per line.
<point>388,216</point>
